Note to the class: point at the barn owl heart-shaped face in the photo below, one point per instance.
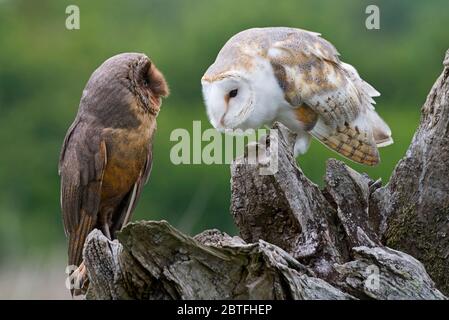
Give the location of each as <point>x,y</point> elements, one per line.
<point>229,102</point>
<point>242,97</point>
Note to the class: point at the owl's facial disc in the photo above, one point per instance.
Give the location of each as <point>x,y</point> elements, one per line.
<point>151,83</point>
<point>243,98</point>
<point>229,102</point>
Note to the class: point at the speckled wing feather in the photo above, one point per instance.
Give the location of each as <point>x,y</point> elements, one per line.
<point>309,71</point>
<point>81,171</point>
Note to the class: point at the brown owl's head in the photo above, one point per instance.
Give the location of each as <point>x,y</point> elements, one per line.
<point>149,82</point>
<point>124,78</point>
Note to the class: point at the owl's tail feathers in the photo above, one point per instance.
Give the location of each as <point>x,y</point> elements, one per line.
<point>381,131</point>
<point>78,237</point>
<point>78,273</point>
<point>350,141</point>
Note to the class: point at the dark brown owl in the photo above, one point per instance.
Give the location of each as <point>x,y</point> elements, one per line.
<point>107,153</point>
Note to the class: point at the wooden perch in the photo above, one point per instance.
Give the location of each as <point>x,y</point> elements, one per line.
<point>296,240</point>
<point>155,261</point>
<point>415,204</point>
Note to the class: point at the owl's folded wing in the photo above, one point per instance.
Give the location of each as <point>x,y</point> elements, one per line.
<point>81,171</point>
<point>309,71</point>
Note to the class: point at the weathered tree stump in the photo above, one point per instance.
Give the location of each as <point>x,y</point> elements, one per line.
<point>415,204</point>
<point>296,240</point>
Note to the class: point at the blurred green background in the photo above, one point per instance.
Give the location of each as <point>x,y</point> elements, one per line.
<point>44,67</point>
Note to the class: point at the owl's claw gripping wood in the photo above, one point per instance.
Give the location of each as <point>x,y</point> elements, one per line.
<point>107,152</point>
<point>79,277</point>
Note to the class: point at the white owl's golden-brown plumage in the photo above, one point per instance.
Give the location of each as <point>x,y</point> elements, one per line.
<point>295,77</point>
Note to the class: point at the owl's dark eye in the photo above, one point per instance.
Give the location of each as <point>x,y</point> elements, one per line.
<point>233,93</point>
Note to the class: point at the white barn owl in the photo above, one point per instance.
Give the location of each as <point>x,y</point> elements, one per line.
<point>294,77</point>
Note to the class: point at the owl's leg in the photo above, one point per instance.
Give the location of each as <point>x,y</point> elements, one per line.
<point>104,220</point>
<point>106,232</point>
<point>302,143</point>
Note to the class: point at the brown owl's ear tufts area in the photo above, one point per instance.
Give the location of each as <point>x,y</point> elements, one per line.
<point>156,82</point>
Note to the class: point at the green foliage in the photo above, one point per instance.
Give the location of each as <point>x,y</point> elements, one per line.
<point>44,67</point>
